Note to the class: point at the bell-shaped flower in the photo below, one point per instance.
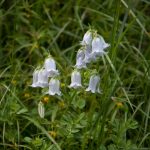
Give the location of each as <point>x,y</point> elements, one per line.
<point>75,80</point>
<point>42,78</point>
<point>80,63</point>
<point>41,109</point>
<point>94,84</point>
<point>50,67</point>
<point>35,78</point>
<point>87,38</point>
<point>98,46</point>
<point>88,54</point>
<point>54,87</point>
<point>105,45</point>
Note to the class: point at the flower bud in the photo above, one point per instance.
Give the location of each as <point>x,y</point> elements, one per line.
<point>41,109</point>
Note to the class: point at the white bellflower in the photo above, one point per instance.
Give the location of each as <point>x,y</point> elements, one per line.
<point>42,78</point>
<point>94,84</point>
<point>54,87</point>
<point>80,63</point>
<point>87,38</point>
<point>35,78</point>
<point>50,67</point>
<point>75,80</point>
<point>98,46</point>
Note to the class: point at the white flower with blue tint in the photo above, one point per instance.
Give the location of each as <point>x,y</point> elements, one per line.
<point>94,84</point>
<point>42,78</point>
<point>41,109</point>
<point>88,54</point>
<point>80,63</point>
<point>87,38</point>
<point>50,67</point>
<point>105,45</point>
<point>35,78</point>
<point>98,46</point>
<point>54,87</point>
<point>75,80</point>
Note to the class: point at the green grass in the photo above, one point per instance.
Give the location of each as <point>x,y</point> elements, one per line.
<point>118,119</point>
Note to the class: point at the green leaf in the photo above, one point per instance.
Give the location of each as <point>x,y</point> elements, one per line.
<point>54,113</point>
<point>102,147</point>
<point>14,107</point>
<point>81,103</point>
<point>37,142</point>
<point>28,139</point>
<point>43,130</point>
<point>24,110</point>
<point>112,147</point>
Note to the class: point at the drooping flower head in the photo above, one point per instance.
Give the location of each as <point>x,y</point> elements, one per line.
<point>105,45</point>
<point>98,46</point>
<point>54,87</point>
<point>80,63</point>
<point>75,80</point>
<point>42,78</point>
<point>87,38</point>
<point>35,78</point>
<point>88,55</point>
<point>50,67</point>
<point>94,84</point>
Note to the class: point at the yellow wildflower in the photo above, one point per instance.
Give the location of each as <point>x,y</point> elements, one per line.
<point>45,99</point>
<point>26,95</point>
<point>119,104</point>
<point>14,82</point>
<point>53,134</point>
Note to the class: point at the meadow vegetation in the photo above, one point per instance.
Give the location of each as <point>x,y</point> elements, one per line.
<point>116,119</point>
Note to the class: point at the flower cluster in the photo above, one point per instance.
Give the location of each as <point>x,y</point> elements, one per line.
<point>46,77</point>
<point>92,47</point>
<point>41,77</point>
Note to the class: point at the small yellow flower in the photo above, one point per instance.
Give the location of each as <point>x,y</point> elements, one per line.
<point>62,84</point>
<point>53,134</point>
<point>26,95</point>
<point>119,104</point>
<point>61,104</point>
<point>45,99</point>
<point>14,82</point>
